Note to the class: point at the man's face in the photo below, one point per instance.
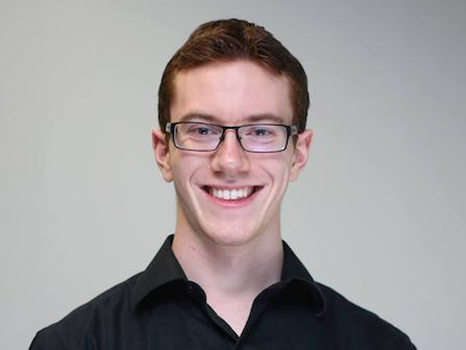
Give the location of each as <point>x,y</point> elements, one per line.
<point>230,93</point>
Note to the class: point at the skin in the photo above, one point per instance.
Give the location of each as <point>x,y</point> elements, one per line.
<point>232,249</point>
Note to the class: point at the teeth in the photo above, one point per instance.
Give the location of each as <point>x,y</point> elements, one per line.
<point>237,193</point>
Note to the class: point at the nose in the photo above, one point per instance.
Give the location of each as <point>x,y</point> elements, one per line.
<point>230,159</point>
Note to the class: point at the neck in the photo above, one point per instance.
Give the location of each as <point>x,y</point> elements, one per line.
<point>231,274</point>
<point>230,271</point>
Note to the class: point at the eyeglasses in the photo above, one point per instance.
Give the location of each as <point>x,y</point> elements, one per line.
<point>255,138</point>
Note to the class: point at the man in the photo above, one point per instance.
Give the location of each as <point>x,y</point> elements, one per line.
<point>232,111</point>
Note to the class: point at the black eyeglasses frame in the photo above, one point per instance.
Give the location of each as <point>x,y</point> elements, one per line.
<point>291,130</point>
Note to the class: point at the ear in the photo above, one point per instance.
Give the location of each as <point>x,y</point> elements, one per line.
<point>160,147</point>
<point>301,152</point>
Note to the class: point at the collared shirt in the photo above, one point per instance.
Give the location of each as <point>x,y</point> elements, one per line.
<point>161,309</point>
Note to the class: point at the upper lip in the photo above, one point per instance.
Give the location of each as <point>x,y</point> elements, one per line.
<point>224,187</point>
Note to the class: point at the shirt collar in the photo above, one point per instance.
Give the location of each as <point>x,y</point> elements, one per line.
<point>165,269</point>
<point>294,271</point>
<point>162,270</point>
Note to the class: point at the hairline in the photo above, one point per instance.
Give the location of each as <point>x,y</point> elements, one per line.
<point>175,73</point>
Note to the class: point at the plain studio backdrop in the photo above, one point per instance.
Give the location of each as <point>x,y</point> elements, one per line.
<point>378,214</point>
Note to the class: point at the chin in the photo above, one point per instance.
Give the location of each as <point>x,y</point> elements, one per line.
<point>231,236</point>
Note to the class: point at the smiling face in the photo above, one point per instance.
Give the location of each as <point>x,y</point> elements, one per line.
<point>229,196</point>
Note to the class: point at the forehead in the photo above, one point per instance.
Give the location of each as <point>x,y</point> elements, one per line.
<point>231,93</point>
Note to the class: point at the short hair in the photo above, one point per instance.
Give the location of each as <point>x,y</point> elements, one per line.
<point>229,40</point>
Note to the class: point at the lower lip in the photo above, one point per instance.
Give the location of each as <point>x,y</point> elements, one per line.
<point>236,203</point>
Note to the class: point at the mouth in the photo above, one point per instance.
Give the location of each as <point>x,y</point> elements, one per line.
<point>238,194</point>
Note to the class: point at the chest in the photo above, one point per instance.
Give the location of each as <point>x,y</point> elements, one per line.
<point>187,324</point>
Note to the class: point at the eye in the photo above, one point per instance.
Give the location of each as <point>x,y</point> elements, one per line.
<point>203,130</point>
<point>261,131</point>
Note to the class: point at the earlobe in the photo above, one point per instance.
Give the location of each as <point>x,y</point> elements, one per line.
<point>160,148</point>
<point>301,152</point>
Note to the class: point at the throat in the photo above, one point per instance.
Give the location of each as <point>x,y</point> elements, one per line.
<point>235,312</point>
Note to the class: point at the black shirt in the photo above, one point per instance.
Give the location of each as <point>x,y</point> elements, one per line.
<point>160,309</point>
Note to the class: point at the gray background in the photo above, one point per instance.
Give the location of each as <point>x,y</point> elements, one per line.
<point>378,214</point>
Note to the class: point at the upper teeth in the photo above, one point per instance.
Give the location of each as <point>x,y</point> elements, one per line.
<point>231,194</point>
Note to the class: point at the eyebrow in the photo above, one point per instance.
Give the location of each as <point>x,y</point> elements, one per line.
<point>266,117</point>
<point>255,118</point>
<point>199,117</point>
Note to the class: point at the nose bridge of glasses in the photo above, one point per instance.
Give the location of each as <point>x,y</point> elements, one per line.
<point>231,129</point>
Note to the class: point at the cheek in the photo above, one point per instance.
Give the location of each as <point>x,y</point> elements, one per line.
<point>185,170</point>
<point>181,176</point>
<point>293,168</point>
<point>286,178</point>
<point>280,172</point>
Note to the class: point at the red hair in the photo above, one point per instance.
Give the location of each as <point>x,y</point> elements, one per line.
<point>233,39</point>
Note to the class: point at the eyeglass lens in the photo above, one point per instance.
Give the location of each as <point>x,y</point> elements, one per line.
<point>254,138</point>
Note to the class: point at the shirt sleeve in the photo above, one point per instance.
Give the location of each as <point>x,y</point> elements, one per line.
<point>54,338</point>
<point>46,340</point>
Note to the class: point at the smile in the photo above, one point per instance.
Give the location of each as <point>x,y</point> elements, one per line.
<point>231,194</point>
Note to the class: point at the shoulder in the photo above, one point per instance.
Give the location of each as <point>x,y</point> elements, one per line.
<point>360,326</point>
<point>81,323</point>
